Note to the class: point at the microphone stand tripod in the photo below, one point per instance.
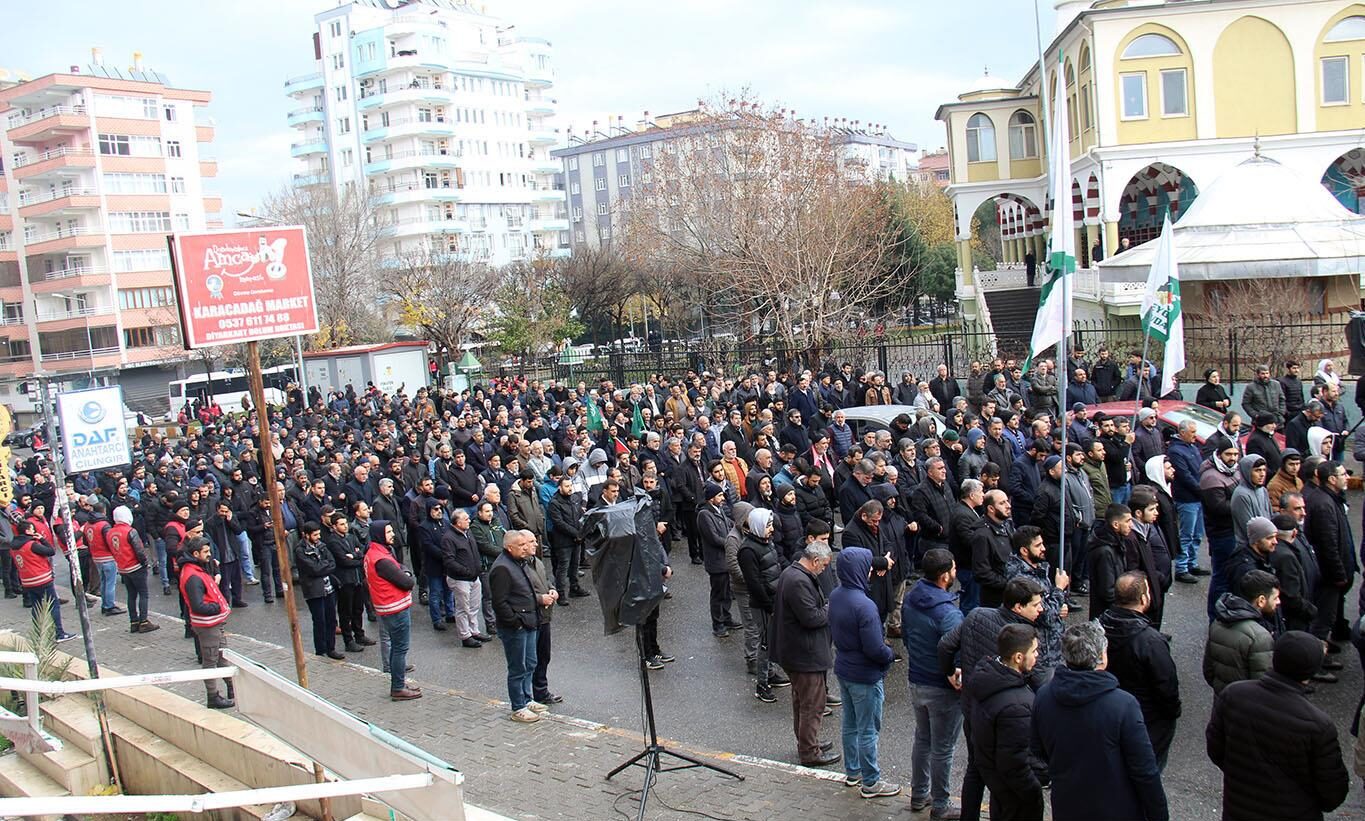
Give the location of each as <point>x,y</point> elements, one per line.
<point>650,757</point>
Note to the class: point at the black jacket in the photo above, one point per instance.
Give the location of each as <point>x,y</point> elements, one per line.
<point>565,519</point>
<point>761,566</point>
<point>813,505</point>
<point>1140,658</point>
<point>990,553</point>
<point>713,526</point>
<point>799,638</point>
<point>687,484</point>
<point>1106,552</point>
<point>1001,705</point>
<point>459,555</point>
<point>932,507</point>
<point>348,556</point>
<point>961,527</point>
<point>514,598</point>
<point>1298,586</point>
<point>1147,552</point>
<point>1265,446</point>
<point>315,566</point>
<point>789,532</point>
<point>1278,752</point>
<point>975,639</point>
<point>1329,532</point>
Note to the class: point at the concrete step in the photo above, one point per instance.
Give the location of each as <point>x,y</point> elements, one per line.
<point>75,769</point>
<point>72,718</point>
<point>20,779</point>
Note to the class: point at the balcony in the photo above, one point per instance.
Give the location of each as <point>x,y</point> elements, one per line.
<point>74,277</point>
<point>44,125</point>
<point>410,23</point>
<point>541,106</point>
<point>544,136</point>
<point>64,239</point>
<point>373,101</point>
<point>304,116</point>
<point>82,360</point>
<point>320,178</point>
<point>549,165</point>
<point>55,321</point>
<point>307,148</point>
<point>539,224</point>
<point>400,193</point>
<point>413,159</point>
<point>547,193</point>
<point>303,82</point>
<point>57,162</point>
<point>540,76</point>
<point>37,203</point>
<point>12,319</point>
<point>409,127</point>
<point>417,226</point>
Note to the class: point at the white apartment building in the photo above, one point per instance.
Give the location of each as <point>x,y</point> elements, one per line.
<point>443,111</point>
<point>602,168</point>
<point>98,164</point>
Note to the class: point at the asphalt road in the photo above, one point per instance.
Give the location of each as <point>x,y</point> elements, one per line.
<point>706,700</point>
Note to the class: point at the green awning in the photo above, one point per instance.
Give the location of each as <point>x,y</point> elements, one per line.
<point>468,363</point>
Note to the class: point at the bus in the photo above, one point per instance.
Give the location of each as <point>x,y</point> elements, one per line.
<point>228,387</point>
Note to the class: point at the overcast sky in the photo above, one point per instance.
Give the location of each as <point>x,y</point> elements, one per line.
<point>884,61</point>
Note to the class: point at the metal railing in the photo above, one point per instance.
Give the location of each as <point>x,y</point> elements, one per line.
<point>23,160</point>
<point>312,109</point>
<point>73,271</point>
<point>12,320</point>
<point>17,120</point>
<point>36,198</point>
<point>77,313</point>
<point>59,356</point>
<point>63,233</point>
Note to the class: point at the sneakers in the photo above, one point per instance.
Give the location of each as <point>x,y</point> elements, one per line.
<point>654,663</point>
<point>537,708</point>
<point>853,781</point>
<point>833,700</point>
<point>778,680</point>
<point>66,637</point>
<point>765,695</point>
<point>666,658</point>
<point>1199,571</point>
<point>251,582</point>
<point>524,716</point>
<point>113,611</point>
<point>1187,578</point>
<point>882,789</point>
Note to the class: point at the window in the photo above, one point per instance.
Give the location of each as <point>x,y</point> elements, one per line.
<point>1085,107</point>
<point>1173,102</point>
<point>644,152</point>
<point>601,209</point>
<point>146,298</point>
<point>347,157</point>
<point>623,181</point>
<point>1336,81</point>
<point>579,236</point>
<point>646,178</point>
<point>575,188</point>
<point>1134,96</point>
<point>142,259</point>
<point>177,185</point>
<point>1023,136</point>
<point>182,222</point>
<point>339,60</point>
<point>980,139</point>
<point>577,214</point>
<point>334,28</point>
<point>622,155</point>
<point>145,146</point>
<point>573,163</point>
<point>598,160</point>
<point>123,183</point>
<point>137,108</point>
<point>1351,28</point>
<point>1151,45</point>
<point>139,222</point>
<point>344,125</point>
<point>172,148</point>
<point>114,145</point>
<point>600,184</point>
<point>340,92</point>
<point>169,112</point>
<point>423,115</point>
<point>156,337</point>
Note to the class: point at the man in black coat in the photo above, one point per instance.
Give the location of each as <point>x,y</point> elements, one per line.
<point>991,548</point>
<point>1279,753</point>
<point>713,526</point>
<point>1329,532</point>
<point>944,388</point>
<point>1001,702</point>
<point>1109,547</point>
<point>931,506</point>
<point>1140,658</point>
<point>686,483</point>
<point>963,524</point>
<point>1297,571</point>
<point>800,643</point>
<point>565,516</point>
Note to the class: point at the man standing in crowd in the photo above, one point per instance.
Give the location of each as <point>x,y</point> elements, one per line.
<point>930,612</point>
<point>208,611</point>
<point>801,645</point>
<point>390,585</point>
<point>1140,658</point>
<point>519,607</point>
<point>1242,636</point>
<point>1002,713</point>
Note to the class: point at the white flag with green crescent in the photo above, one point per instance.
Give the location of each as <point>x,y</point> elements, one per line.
<point>1162,318</point>
<point>1048,328</point>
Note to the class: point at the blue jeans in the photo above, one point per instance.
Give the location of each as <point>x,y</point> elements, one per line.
<point>862,726</point>
<point>938,722</point>
<point>162,564</point>
<point>41,597</point>
<point>1191,534</point>
<point>970,597</point>
<point>519,645</point>
<point>244,555</point>
<point>399,628</point>
<point>440,598</point>
<point>1221,549</point>
<point>108,584</point>
<point>1121,494</point>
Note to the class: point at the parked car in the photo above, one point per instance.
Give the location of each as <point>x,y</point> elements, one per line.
<point>879,417</point>
<point>23,437</point>
<point>1171,412</point>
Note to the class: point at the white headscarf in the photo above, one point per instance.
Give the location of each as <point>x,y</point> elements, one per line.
<point>1156,472</point>
<point>1324,376</point>
<point>759,519</point>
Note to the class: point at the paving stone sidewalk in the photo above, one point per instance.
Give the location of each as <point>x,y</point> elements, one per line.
<point>553,769</point>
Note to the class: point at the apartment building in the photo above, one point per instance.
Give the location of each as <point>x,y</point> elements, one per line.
<point>444,112</point>
<point>98,164</point>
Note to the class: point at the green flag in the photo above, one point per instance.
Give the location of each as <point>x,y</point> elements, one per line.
<point>594,415</point>
<point>637,422</point>
<point>1162,318</point>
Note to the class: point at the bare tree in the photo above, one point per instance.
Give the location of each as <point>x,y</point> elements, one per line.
<point>757,209</point>
<point>598,284</point>
<point>442,296</point>
<point>1254,312</point>
<point>344,232</point>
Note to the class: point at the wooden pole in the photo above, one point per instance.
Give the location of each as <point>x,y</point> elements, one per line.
<point>253,369</point>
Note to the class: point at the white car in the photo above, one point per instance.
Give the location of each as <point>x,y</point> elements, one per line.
<point>879,417</point>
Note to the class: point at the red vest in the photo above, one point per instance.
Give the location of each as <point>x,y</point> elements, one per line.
<point>190,570</point>
<point>96,534</point>
<point>34,570</point>
<point>120,540</point>
<point>45,531</point>
<point>387,597</point>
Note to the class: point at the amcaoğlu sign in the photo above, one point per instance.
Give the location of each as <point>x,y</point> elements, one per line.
<point>243,285</point>
<point>94,435</point>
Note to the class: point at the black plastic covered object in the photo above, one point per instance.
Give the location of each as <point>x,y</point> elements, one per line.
<point>627,561</point>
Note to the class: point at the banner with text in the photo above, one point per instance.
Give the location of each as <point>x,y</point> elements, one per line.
<point>243,285</point>
<point>94,434</point>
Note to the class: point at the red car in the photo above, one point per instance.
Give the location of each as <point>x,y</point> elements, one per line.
<point>1171,412</point>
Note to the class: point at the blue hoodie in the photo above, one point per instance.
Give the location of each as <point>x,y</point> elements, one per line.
<point>856,628</point>
<point>928,614</point>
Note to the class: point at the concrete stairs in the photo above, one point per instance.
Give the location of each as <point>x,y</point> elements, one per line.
<point>1013,312</point>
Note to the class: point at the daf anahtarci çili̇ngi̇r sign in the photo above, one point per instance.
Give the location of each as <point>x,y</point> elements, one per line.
<point>94,435</point>
<point>243,285</point>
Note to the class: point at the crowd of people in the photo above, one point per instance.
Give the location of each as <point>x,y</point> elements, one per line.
<point>1020,584</point>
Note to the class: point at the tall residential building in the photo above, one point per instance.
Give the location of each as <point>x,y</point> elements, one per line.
<point>602,167</point>
<point>97,165</point>
<point>1162,97</point>
<point>444,113</point>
